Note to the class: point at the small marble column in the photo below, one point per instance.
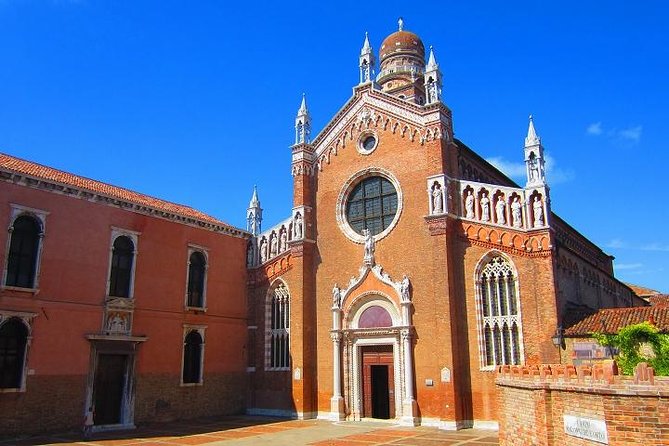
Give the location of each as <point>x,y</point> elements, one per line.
<point>409,408</point>
<point>337,401</point>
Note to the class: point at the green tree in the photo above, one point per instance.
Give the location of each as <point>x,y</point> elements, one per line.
<point>638,343</point>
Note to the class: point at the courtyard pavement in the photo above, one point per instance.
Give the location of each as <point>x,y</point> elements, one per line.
<point>252,431</point>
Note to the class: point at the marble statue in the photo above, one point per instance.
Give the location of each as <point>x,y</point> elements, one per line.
<point>405,286</point>
<point>274,245</point>
<point>538,212</point>
<point>336,297</point>
<point>469,205</point>
<point>369,247</point>
<point>516,213</point>
<point>263,250</point>
<point>437,202</point>
<point>500,207</point>
<point>485,207</point>
<point>283,241</point>
<point>297,226</point>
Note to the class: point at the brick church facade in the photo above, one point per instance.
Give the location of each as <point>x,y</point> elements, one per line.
<point>407,270</point>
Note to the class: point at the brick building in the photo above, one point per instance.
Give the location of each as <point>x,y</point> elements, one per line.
<point>406,271</point>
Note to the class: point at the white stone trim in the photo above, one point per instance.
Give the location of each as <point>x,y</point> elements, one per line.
<point>200,329</point>
<point>361,139</point>
<point>481,264</point>
<point>16,211</point>
<point>134,237</point>
<point>192,248</point>
<point>26,318</point>
<point>346,189</point>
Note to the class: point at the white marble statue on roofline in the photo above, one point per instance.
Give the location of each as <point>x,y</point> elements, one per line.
<point>485,207</point>
<point>500,207</point>
<point>469,205</point>
<point>538,212</point>
<point>516,213</point>
<point>297,226</point>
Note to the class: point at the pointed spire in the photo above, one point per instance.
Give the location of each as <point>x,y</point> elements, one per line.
<point>302,123</point>
<point>303,106</point>
<point>254,214</point>
<point>431,62</point>
<point>254,199</point>
<point>366,47</point>
<point>532,139</point>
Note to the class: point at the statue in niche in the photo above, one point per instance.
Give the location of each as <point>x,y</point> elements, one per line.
<point>273,245</point>
<point>297,226</point>
<point>538,207</point>
<point>336,296</point>
<point>116,324</point>
<point>249,255</point>
<point>469,205</point>
<point>369,247</point>
<point>534,168</point>
<point>500,207</point>
<point>405,291</point>
<point>263,250</point>
<point>283,241</point>
<point>437,202</point>
<point>485,207</point>
<point>516,213</point>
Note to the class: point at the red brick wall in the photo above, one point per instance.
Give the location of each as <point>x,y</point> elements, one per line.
<point>635,409</point>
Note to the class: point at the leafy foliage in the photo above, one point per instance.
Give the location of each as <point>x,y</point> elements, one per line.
<point>638,343</point>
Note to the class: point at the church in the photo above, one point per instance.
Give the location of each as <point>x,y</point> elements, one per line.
<point>406,272</point>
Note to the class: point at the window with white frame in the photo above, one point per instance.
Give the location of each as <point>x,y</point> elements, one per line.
<point>197,278</point>
<point>14,339</point>
<point>277,321</point>
<point>193,355</point>
<point>24,247</point>
<point>499,314</point>
<point>122,262</point>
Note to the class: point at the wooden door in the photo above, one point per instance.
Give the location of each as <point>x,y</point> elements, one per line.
<point>378,379</point>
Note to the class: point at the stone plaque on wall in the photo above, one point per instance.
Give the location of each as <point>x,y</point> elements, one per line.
<point>445,375</point>
<point>586,428</point>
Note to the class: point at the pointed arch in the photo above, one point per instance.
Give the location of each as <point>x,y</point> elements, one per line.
<point>277,326</point>
<point>498,311</point>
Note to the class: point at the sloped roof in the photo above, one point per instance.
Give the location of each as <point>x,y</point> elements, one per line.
<point>642,291</point>
<point>659,300</point>
<point>611,320</point>
<point>39,171</point>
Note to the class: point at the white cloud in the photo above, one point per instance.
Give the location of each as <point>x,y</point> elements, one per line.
<point>622,266</point>
<point>629,135</point>
<point>632,134</point>
<point>655,247</point>
<point>594,129</point>
<point>509,168</point>
<point>554,174</point>
<point>616,243</point>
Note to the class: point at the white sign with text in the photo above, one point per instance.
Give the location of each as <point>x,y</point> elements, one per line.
<point>586,428</point>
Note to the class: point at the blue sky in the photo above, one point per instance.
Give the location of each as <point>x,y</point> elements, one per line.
<point>194,102</point>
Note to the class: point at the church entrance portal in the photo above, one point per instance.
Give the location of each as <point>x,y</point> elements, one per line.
<point>378,391</point>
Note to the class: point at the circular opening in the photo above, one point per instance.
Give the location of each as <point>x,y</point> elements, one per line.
<point>367,143</point>
<point>372,205</point>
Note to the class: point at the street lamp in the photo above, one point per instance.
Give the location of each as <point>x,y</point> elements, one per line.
<point>558,337</point>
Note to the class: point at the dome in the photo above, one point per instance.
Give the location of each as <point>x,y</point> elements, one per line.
<point>402,42</point>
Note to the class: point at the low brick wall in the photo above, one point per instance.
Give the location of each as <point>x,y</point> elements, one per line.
<point>597,403</point>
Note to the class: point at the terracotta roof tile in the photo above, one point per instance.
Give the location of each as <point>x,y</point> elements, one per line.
<point>658,300</point>
<point>39,171</point>
<point>610,320</point>
<point>642,291</point>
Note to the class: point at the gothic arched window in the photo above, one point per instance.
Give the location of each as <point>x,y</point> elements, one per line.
<point>120,277</point>
<point>13,343</point>
<point>197,267</point>
<point>278,329</point>
<point>192,366</point>
<point>23,251</point>
<point>498,314</point>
